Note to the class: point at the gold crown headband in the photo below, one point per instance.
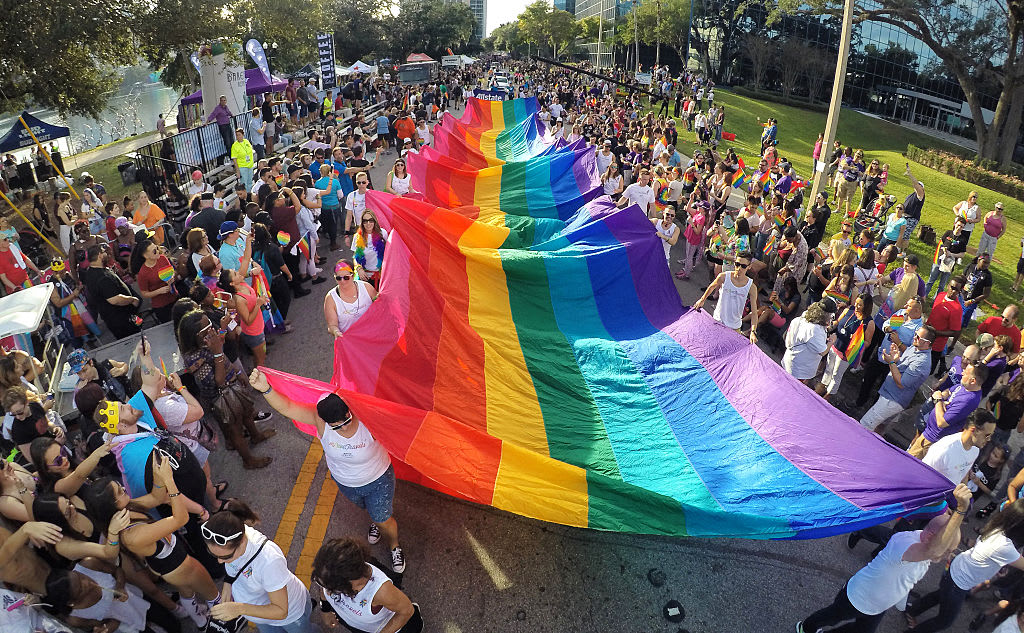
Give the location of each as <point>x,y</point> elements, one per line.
<point>112,413</point>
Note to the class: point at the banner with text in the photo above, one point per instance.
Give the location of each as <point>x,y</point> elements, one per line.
<point>325,46</point>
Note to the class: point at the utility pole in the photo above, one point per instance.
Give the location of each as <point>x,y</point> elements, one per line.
<point>600,35</point>
<point>657,33</point>
<point>837,99</point>
<point>636,35</point>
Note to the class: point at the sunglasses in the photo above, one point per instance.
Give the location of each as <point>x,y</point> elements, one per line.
<point>742,264</point>
<point>342,424</point>
<point>365,220</point>
<point>61,456</point>
<point>219,539</point>
<point>345,277</point>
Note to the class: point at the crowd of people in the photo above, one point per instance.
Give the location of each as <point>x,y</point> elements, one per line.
<point>125,509</point>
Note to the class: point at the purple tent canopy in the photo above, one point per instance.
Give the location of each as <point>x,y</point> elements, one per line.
<point>255,84</point>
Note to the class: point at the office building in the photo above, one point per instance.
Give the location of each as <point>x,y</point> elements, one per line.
<point>479,9</point>
<point>611,9</point>
<point>566,5</point>
<point>889,73</point>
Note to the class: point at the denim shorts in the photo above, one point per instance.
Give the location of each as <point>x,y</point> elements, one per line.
<point>253,341</point>
<point>375,497</point>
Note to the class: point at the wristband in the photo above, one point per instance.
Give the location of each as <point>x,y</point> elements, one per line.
<point>173,494</point>
<point>964,513</point>
<point>269,389</point>
<point>113,542</point>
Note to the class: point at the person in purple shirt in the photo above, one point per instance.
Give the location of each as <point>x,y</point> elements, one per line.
<point>952,408</point>
<point>222,115</point>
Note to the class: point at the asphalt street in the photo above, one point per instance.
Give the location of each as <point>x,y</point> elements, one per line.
<point>474,569</point>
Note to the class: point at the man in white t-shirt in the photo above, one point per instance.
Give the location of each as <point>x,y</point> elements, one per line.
<point>640,193</point>
<point>887,580</point>
<point>954,454</point>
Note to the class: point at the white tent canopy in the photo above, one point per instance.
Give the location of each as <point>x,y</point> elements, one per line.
<point>358,67</point>
<point>466,59</point>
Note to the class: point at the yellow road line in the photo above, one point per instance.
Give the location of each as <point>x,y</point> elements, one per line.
<point>317,529</point>
<point>297,500</point>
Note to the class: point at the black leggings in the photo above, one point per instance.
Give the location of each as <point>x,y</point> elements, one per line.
<point>842,611</point>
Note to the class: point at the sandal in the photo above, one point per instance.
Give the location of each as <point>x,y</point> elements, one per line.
<point>220,487</point>
<point>223,503</point>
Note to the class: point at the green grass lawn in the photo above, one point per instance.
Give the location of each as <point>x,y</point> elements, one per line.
<point>798,130</point>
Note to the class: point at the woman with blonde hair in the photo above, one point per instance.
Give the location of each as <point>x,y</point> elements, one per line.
<point>198,243</point>
<point>398,181</point>
<point>368,248</point>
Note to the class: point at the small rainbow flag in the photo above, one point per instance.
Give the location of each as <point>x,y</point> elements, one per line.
<point>840,297</point>
<point>769,245</point>
<point>856,346</point>
<point>764,178</point>
<point>937,249</point>
<point>820,251</point>
<point>779,220</point>
<point>715,244</point>
<point>163,366</point>
<point>739,176</point>
<point>777,305</point>
<point>303,245</point>
<point>283,238</point>
<point>689,177</point>
<point>997,410</point>
<point>166,274</point>
<point>897,320</point>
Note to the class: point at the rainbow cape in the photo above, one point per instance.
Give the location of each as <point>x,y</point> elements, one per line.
<point>855,347</point>
<point>540,360</point>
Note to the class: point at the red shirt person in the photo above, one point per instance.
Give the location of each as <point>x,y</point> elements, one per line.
<point>946,317</point>
<point>1005,324</point>
<point>14,266</point>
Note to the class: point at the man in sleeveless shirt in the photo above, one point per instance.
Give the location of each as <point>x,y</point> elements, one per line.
<point>736,289</point>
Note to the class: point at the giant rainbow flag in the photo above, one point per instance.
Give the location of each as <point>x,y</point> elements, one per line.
<point>530,351</point>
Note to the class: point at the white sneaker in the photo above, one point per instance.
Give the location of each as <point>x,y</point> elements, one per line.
<point>373,534</point>
<point>398,560</point>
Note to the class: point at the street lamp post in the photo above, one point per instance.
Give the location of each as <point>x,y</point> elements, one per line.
<point>270,48</point>
<point>837,99</point>
<point>600,34</point>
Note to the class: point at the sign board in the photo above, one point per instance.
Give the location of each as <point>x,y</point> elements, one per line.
<point>644,78</point>
<point>496,94</point>
<point>451,60</point>
<point>325,47</point>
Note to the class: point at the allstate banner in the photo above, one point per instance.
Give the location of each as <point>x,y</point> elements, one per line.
<point>255,50</point>
<point>490,95</point>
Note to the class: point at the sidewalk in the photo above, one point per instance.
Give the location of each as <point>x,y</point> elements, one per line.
<point>77,161</point>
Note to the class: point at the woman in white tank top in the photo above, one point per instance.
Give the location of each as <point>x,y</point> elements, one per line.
<point>361,595</point>
<point>359,464</point>
<point>347,301</point>
<point>399,182</point>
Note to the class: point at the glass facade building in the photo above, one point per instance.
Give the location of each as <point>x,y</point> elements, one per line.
<point>479,9</point>
<point>889,72</point>
<point>566,5</point>
<point>611,9</point>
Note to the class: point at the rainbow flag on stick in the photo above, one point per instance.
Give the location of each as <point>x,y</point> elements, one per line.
<point>840,298</point>
<point>764,178</point>
<point>779,220</point>
<point>689,177</point>
<point>820,252</point>
<point>739,176</point>
<point>777,305</point>
<point>769,245</point>
<point>304,246</point>
<point>937,249</point>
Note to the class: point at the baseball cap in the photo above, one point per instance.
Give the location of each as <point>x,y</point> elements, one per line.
<point>406,140</point>
<point>911,259</point>
<point>999,205</point>
<point>985,340</point>
<point>226,229</point>
<point>77,359</point>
